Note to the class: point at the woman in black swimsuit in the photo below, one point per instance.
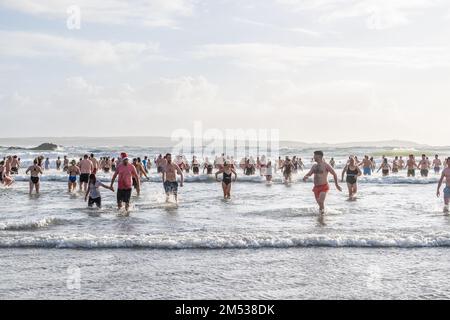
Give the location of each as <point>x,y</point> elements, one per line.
<point>353,172</point>
<point>35,170</point>
<point>385,168</point>
<point>227,171</point>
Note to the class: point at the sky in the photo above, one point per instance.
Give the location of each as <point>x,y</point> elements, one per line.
<point>316,70</point>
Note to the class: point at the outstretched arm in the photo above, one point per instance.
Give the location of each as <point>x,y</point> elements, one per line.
<point>113,179</point>
<point>309,174</point>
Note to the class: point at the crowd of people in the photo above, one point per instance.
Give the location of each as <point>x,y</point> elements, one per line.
<point>130,173</point>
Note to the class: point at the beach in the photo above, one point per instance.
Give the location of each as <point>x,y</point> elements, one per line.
<point>268,241</point>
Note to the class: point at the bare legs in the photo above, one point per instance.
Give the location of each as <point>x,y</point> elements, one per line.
<point>226,190</point>
<point>34,186</point>
<point>72,186</point>
<point>352,190</point>
<point>321,202</point>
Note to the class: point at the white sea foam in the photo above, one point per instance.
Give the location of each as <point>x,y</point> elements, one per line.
<point>224,241</point>
<point>29,225</point>
<point>277,178</point>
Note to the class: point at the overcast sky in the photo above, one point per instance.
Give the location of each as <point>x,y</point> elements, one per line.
<point>318,70</point>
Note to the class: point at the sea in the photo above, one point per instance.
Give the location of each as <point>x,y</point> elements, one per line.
<point>267,242</point>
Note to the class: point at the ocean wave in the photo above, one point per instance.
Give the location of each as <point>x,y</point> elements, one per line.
<point>29,225</point>
<point>277,178</point>
<point>224,242</point>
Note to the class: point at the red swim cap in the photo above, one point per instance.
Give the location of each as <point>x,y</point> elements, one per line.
<point>123,155</point>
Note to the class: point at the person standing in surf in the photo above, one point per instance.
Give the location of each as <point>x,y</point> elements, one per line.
<point>86,168</point>
<point>227,172</point>
<point>7,178</point>
<point>126,172</point>
<point>367,165</point>
<point>437,163</point>
<point>93,191</point>
<point>385,167</point>
<point>73,170</point>
<point>424,166</point>
<point>287,170</point>
<point>445,174</point>
<point>35,170</point>
<point>169,177</point>
<point>353,172</point>
<point>411,165</point>
<point>320,171</point>
<point>269,173</point>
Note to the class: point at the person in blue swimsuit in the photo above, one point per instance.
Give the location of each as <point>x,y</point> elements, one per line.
<point>73,172</point>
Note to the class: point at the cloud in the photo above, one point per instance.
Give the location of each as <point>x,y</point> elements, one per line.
<point>154,107</point>
<point>86,52</point>
<point>152,13</point>
<point>283,58</point>
<point>378,14</point>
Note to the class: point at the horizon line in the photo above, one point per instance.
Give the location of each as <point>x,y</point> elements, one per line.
<point>281,140</point>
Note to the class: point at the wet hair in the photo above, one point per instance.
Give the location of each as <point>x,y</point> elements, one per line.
<point>35,161</point>
<point>92,155</point>
<point>318,153</point>
<point>92,179</point>
<point>85,156</point>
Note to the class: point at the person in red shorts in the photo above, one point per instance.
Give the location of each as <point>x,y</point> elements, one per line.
<point>320,171</point>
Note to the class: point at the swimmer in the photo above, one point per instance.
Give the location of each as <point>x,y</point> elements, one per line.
<point>287,170</point>
<point>445,174</point>
<point>269,169</point>
<point>169,178</point>
<point>320,171</point>
<point>126,172</point>
<point>227,172</point>
<point>424,166</point>
<point>34,170</point>
<point>58,163</point>
<point>95,163</point>
<point>15,165</point>
<point>353,172</point>
<point>367,166</point>
<point>385,168</point>
<point>86,168</point>
<point>332,163</point>
<point>47,164</point>
<point>141,173</point>
<point>7,179</point>
<point>411,165</point>
<point>93,191</point>
<point>437,163</point>
<point>195,165</point>
<point>73,170</point>
<point>65,164</point>
<point>395,165</point>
